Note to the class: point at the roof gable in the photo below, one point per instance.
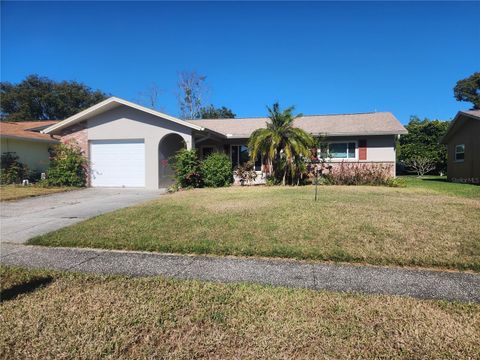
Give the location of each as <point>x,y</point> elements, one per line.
<point>109,104</point>
<point>458,121</point>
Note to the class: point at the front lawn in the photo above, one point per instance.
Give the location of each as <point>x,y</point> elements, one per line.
<point>440,185</point>
<point>376,225</point>
<point>16,192</point>
<point>49,315</point>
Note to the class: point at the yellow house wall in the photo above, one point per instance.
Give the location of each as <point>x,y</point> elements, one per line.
<point>32,153</point>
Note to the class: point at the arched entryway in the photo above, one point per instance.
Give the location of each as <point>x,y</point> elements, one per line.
<point>167,148</point>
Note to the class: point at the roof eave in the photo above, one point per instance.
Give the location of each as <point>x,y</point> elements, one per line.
<point>84,115</point>
<point>25,138</point>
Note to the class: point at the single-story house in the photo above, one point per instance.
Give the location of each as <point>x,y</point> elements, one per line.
<point>463,144</point>
<point>129,145</point>
<point>26,140</point>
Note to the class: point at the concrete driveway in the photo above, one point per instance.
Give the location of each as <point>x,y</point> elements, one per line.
<point>24,219</point>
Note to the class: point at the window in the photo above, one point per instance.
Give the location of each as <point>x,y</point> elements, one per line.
<point>341,150</point>
<point>459,152</point>
<point>239,155</point>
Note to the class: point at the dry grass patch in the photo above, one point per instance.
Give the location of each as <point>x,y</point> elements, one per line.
<point>86,316</point>
<point>374,225</point>
<point>16,192</point>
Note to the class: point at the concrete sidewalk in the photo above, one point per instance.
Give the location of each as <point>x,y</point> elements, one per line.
<point>424,284</point>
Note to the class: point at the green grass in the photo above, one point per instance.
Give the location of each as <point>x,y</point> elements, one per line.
<point>92,317</point>
<point>376,225</point>
<point>16,192</point>
<point>440,185</point>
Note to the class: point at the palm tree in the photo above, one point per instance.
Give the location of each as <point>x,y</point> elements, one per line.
<point>280,141</point>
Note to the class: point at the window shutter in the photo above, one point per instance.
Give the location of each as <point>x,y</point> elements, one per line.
<point>362,149</point>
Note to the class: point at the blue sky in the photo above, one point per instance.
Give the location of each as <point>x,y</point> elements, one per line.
<point>321,57</point>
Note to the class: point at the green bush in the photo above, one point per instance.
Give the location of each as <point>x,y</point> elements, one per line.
<point>187,169</point>
<point>68,166</point>
<point>216,170</point>
<point>12,171</point>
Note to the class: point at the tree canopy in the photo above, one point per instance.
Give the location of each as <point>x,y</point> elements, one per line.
<point>468,89</point>
<point>211,112</point>
<point>423,141</point>
<point>40,98</point>
<point>280,143</point>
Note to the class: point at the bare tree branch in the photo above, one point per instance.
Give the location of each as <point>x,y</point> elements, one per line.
<point>192,90</point>
<point>421,165</point>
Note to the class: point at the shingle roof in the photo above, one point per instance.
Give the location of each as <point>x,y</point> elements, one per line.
<point>26,130</point>
<point>474,113</point>
<point>379,123</point>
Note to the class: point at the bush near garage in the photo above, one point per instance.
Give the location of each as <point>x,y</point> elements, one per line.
<point>68,166</point>
<point>187,169</point>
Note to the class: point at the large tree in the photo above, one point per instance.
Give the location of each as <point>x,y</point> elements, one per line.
<point>423,142</point>
<point>280,143</point>
<point>469,90</point>
<point>40,98</point>
<point>211,112</point>
<point>191,92</point>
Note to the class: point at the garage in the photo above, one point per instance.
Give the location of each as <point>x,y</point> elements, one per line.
<point>117,163</point>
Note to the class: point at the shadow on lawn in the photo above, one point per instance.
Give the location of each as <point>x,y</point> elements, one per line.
<point>24,288</point>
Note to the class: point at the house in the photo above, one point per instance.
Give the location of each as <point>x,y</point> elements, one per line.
<point>463,147</point>
<point>26,140</point>
<point>129,145</point>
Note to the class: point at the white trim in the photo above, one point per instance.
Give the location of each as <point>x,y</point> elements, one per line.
<point>458,152</point>
<point>83,115</point>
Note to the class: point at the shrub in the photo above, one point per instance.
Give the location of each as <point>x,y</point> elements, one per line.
<point>270,181</point>
<point>216,170</point>
<point>186,165</point>
<point>12,171</point>
<point>360,174</point>
<point>68,166</point>
<point>246,173</point>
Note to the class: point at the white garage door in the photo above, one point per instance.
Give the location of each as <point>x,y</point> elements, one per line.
<point>117,163</point>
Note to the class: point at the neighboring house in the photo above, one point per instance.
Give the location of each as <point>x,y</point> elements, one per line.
<point>129,145</point>
<point>463,147</point>
<point>30,145</point>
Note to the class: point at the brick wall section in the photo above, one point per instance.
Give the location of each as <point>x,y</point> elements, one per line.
<point>390,166</point>
<point>77,134</point>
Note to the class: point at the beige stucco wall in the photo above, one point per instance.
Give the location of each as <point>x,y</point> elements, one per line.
<point>468,170</point>
<point>380,148</point>
<point>126,123</point>
<point>32,153</point>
